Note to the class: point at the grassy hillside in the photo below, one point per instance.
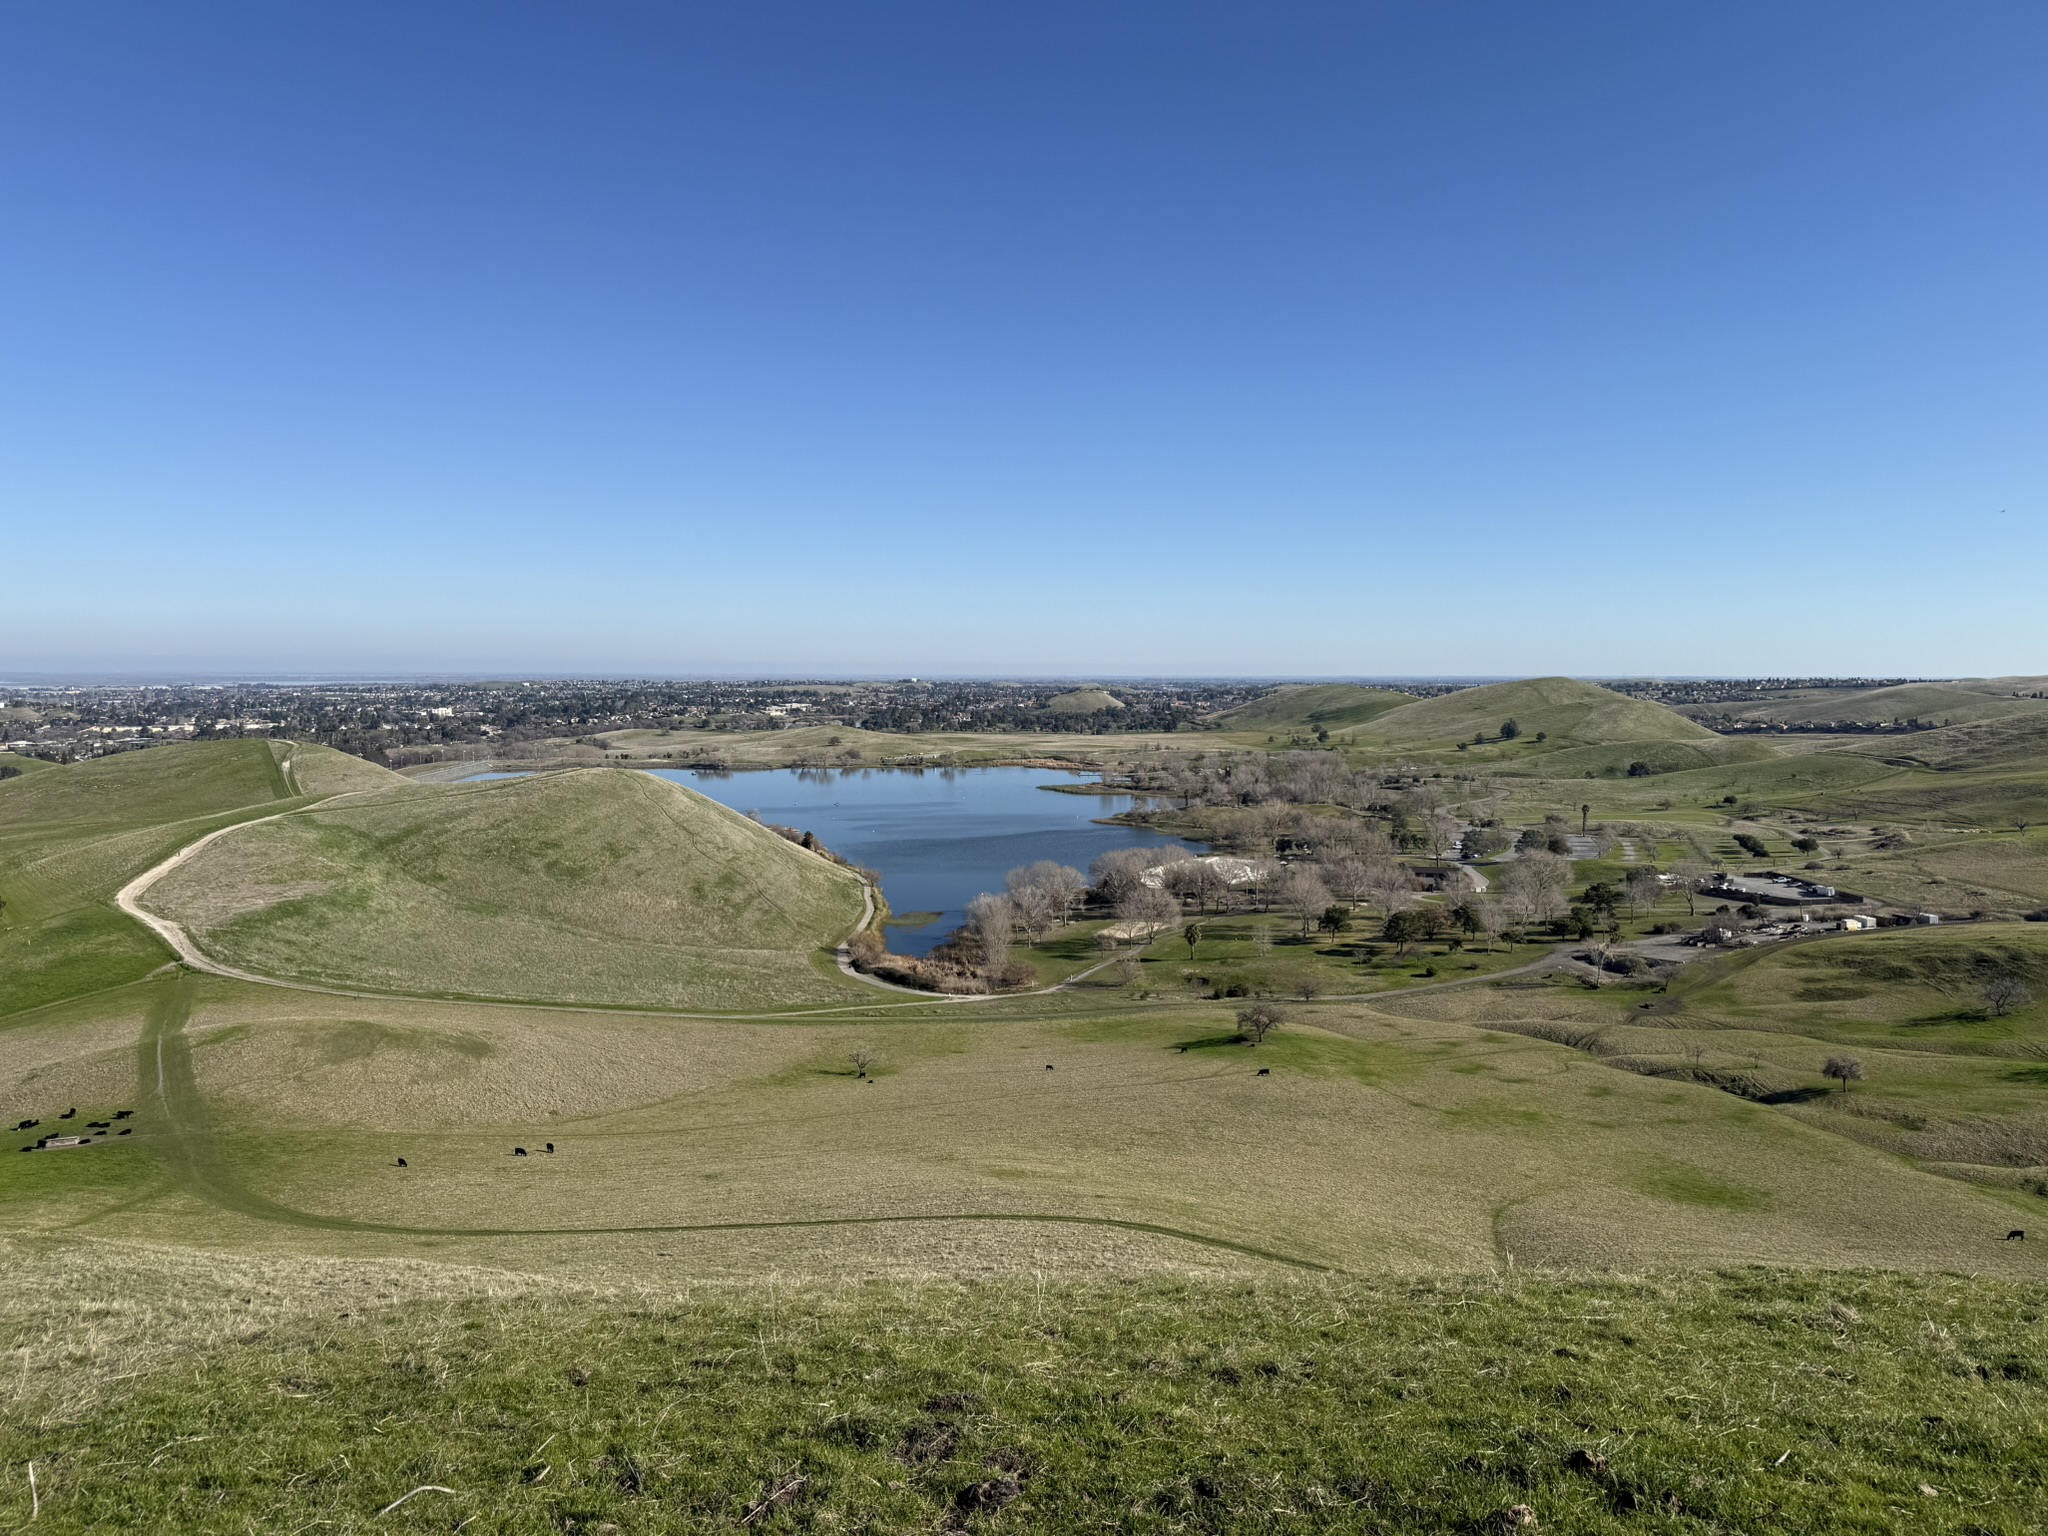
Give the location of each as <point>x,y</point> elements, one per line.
<point>1083,701</point>
<point>71,836</point>
<point>1960,703</point>
<point>589,886</point>
<point>1568,712</point>
<point>317,770</point>
<point>213,1395</point>
<point>1305,706</point>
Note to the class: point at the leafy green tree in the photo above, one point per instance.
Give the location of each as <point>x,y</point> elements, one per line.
<point>1192,932</point>
<point>1509,730</point>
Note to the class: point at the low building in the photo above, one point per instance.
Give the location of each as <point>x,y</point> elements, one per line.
<point>1926,919</point>
<point>1858,924</point>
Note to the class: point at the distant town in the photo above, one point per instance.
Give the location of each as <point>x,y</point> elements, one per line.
<point>388,722</point>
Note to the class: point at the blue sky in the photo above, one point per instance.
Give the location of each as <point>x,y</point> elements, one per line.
<point>1346,339</point>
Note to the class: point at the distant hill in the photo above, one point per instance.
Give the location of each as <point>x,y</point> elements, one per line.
<point>589,886</point>
<point>1083,701</point>
<point>1305,706</point>
<point>1569,712</point>
<point>1957,703</point>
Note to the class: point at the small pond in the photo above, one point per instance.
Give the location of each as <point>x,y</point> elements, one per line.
<point>937,837</point>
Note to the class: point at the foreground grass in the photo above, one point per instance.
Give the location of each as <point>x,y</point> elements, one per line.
<point>1744,1399</point>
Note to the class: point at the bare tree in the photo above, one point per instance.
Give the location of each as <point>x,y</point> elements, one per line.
<point>1149,905</point>
<point>1844,1069</point>
<point>863,1057</point>
<point>1538,883</point>
<point>1389,886</point>
<point>992,918</point>
<point>2005,993</point>
<point>1043,895</point>
<point>1344,876</point>
<point>1303,893</point>
<point>1117,872</point>
<point>1492,920</point>
<point>1260,1020</point>
<point>1442,831</point>
<point>1691,876</point>
<point>1643,889</point>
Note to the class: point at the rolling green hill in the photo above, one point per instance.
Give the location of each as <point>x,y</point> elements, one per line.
<point>1570,713</point>
<point>591,886</point>
<point>1298,706</point>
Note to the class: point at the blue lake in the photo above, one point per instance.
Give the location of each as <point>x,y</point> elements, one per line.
<point>937,837</point>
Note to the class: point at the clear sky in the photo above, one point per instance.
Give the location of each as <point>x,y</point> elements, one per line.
<point>1105,338</point>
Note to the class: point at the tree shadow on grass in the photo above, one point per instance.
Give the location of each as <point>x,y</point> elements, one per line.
<point>1209,1042</point>
<point>1796,1096</point>
<point>1953,1016</point>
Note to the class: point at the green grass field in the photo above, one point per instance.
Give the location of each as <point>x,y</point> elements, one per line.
<point>1476,1237</point>
<point>319,1396</point>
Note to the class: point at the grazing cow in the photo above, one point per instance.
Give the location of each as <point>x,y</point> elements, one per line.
<point>129,1132</point>
<point>551,1146</point>
<point>401,1162</point>
<point>28,1125</point>
<point>1265,1071</point>
<point>519,1151</point>
<point>2016,1236</point>
<point>1181,1049</point>
<point>69,1113</point>
<point>123,1114</point>
<point>97,1125</point>
<point>1048,1066</point>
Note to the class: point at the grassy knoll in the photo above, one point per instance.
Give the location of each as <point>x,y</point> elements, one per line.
<point>1568,712</point>
<point>1306,706</point>
<point>1082,701</point>
<point>1738,1400</point>
<point>589,886</point>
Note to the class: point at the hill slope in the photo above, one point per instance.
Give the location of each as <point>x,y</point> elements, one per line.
<point>1953,703</point>
<point>1298,706</point>
<point>1569,712</point>
<point>592,886</point>
<point>71,836</point>
<point>318,770</point>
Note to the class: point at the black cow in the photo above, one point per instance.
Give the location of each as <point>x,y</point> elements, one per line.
<point>1265,1071</point>
<point>551,1146</point>
<point>2015,1236</point>
<point>123,1114</point>
<point>519,1151</point>
<point>129,1132</point>
<point>401,1162</point>
<point>69,1113</point>
<point>28,1125</point>
<point>1048,1066</point>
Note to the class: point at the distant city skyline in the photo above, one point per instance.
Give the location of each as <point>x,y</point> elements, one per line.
<point>1095,342</point>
